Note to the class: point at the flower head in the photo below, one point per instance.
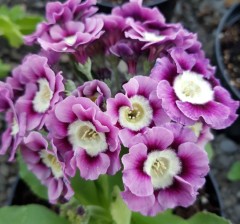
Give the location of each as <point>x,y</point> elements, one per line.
<point>15,122</point>
<point>85,137</point>
<point>95,90</point>
<point>163,169</point>
<point>137,109</point>
<point>44,163</point>
<point>190,93</point>
<point>40,87</point>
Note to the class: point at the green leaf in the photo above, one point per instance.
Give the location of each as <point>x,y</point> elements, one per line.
<point>31,180</point>
<point>234,172</point>
<point>16,12</point>
<point>10,31</point>
<point>4,69</point>
<point>70,86</point>
<point>209,151</point>
<point>29,214</point>
<point>28,24</point>
<point>85,191</point>
<point>97,215</point>
<point>162,218</point>
<point>207,218</point>
<point>119,210</point>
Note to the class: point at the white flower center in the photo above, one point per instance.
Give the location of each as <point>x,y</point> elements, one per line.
<point>197,128</point>
<point>15,127</point>
<point>191,87</point>
<point>41,101</point>
<point>51,161</point>
<point>152,37</point>
<point>71,40</point>
<point>83,134</point>
<point>162,166</point>
<point>139,116</point>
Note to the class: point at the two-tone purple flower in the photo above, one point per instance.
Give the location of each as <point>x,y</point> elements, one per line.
<point>58,15</point>
<point>163,169</point>
<point>85,137</point>
<point>15,122</point>
<point>137,109</point>
<point>41,159</point>
<point>41,89</point>
<point>190,93</point>
<point>69,26</point>
<point>95,90</point>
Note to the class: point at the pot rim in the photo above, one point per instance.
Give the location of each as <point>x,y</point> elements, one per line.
<point>229,18</point>
<point>111,5</point>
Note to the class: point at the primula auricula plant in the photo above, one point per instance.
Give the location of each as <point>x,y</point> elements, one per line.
<point>141,101</point>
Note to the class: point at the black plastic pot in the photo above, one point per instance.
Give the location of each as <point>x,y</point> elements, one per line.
<point>165,6</point>
<point>214,194</point>
<point>230,18</point>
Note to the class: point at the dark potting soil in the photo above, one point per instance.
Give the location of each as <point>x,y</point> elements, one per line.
<point>230,43</point>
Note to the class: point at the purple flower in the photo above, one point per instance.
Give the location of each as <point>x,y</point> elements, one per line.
<point>155,33</point>
<point>137,109</point>
<point>69,36</point>
<point>16,122</point>
<point>113,29</point>
<point>95,90</point>
<point>6,96</point>
<point>190,93</point>
<point>14,133</point>
<point>42,89</point>
<point>41,159</point>
<point>61,13</point>
<point>138,13</point>
<point>129,51</point>
<point>202,132</point>
<point>70,10</point>
<point>163,169</point>
<point>85,137</point>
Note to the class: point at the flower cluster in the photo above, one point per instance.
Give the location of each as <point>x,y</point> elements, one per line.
<point>165,100</point>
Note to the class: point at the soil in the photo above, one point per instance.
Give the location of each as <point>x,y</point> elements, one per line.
<point>230,43</point>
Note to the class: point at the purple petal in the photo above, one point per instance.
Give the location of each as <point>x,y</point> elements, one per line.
<point>114,104</point>
<point>63,110</point>
<point>35,141</point>
<point>55,188</point>
<point>138,182</point>
<point>195,164</point>
<point>155,138</point>
<point>138,204</point>
<point>181,134</point>
<point>184,61</point>
<point>181,193</point>
<point>91,167</point>
<point>166,93</point>
<point>210,112</point>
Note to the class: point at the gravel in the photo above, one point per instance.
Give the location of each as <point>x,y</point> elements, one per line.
<point>202,17</point>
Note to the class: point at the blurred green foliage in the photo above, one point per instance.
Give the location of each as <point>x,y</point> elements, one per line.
<point>15,22</point>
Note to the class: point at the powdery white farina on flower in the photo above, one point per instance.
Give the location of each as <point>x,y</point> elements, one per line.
<point>190,93</point>
<point>85,137</point>
<point>41,89</point>
<point>163,169</point>
<point>138,109</point>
